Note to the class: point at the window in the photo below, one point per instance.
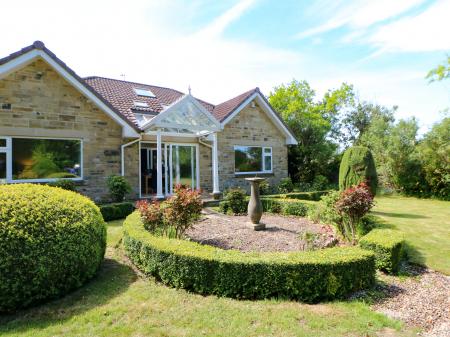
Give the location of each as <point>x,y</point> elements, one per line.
<point>40,160</point>
<point>252,159</point>
<point>140,105</point>
<point>45,158</point>
<point>144,92</point>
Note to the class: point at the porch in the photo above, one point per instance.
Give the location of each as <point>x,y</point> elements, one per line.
<point>169,150</point>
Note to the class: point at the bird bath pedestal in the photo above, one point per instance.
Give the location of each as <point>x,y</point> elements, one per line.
<point>255,209</point>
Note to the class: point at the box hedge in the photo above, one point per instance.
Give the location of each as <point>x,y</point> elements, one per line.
<point>387,245</point>
<point>311,196</point>
<point>119,210</point>
<point>51,241</point>
<point>306,276</point>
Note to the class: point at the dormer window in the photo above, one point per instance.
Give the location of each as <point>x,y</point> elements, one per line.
<point>140,105</point>
<point>144,92</point>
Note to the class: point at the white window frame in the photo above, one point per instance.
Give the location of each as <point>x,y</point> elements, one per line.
<point>9,169</point>
<point>264,154</point>
<point>4,149</point>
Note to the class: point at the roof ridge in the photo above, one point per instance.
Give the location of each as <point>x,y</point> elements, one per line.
<point>131,82</point>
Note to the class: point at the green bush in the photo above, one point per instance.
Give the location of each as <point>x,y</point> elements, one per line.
<point>65,184</point>
<point>325,211</point>
<point>224,207</point>
<point>285,185</point>
<point>306,276</point>
<point>271,205</point>
<point>387,245</point>
<point>264,187</point>
<point>358,166</point>
<point>237,201</point>
<point>51,242</point>
<point>118,187</point>
<point>311,196</point>
<point>114,211</point>
<point>295,208</point>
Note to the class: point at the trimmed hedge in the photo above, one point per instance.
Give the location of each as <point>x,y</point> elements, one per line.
<point>116,211</point>
<point>387,245</point>
<point>307,276</point>
<point>311,196</point>
<point>51,242</point>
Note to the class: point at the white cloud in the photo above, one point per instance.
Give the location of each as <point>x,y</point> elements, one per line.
<point>427,31</point>
<point>358,14</point>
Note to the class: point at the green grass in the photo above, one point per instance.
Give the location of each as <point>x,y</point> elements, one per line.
<point>120,302</point>
<point>425,224</point>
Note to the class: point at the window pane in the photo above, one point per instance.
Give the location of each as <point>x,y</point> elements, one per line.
<point>268,163</point>
<point>267,150</point>
<point>248,159</point>
<point>46,158</point>
<point>2,166</point>
<point>2,142</point>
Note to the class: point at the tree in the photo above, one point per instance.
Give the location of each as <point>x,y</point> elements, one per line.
<point>358,166</point>
<point>441,72</point>
<point>313,123</point>
<point>434,154</point>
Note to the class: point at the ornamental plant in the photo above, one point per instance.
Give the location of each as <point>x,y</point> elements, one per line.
<point>151,214</point>
<point>182,209</point>
<point>353,204</point>
<point>118,187</point>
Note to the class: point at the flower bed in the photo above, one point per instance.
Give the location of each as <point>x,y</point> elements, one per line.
<point>306,276</point>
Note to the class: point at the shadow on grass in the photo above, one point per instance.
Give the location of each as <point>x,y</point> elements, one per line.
<point>113,279</point>
<point>400,215</point>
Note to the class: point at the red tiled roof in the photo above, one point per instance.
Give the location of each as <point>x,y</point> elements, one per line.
<point>223,110</point>
<point>120,96</point>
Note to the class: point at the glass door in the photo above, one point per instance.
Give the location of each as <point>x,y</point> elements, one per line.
<point>182,166</point>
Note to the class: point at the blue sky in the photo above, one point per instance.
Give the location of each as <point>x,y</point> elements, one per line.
<point>222,48</point>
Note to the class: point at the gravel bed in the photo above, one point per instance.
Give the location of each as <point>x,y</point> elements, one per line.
<point>282,234</point>
<point>420,300</point>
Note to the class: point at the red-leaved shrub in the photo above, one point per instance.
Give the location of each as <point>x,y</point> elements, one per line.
<point>151,214</point>
<point>173,216</point>
<point>353,204</point>
<point>182,209</point>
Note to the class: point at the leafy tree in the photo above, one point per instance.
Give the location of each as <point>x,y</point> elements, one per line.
<point>441,72</point>
<point>434,154</point>
<point>315,125</point>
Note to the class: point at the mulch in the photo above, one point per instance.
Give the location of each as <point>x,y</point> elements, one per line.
<point>282,233</point>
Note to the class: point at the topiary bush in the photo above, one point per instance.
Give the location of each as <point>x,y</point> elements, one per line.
<point>307,276</point>
<point>358,166</point>
<point>387,245</point>
<point>115,211</point>
<point>51,242</point>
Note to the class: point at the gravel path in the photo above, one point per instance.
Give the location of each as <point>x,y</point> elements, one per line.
<point>422,300</point>
<point>233,232</point>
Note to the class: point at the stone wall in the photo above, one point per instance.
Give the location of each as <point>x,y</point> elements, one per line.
<point>205,168</point>
<point>43,104</point>
<point>250,127</point>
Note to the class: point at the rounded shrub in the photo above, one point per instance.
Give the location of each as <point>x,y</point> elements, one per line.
<point>51,241</point>
<point>358,166</point>
<point>307,276</point>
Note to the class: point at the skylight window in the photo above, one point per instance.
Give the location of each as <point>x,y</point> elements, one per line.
<point>140,105</point>
<point>144,92</point>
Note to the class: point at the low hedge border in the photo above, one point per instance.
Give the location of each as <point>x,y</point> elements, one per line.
<point>387,245</point>
<point>116,211</point>
<point>311,196</point>
<point>279,206</point>
<point>306,276</point>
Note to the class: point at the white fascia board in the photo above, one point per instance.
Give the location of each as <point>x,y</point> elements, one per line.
<point>25,59</point>
<point>18,62</point>
<point>290,139</point>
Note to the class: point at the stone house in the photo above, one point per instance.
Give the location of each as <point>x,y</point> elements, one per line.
<point>55,124</point>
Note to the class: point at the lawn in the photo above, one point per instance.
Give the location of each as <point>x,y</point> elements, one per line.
<point>426,225</point>
<point>120,302</point>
